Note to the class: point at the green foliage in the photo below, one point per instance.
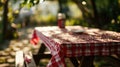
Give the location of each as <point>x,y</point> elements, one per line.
<point>108,11</point>
<point>28,3</point>
<point>48,20</point>
<point>73,21</point>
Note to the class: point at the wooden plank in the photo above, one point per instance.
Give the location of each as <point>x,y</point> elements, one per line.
<point>87,61</point>
<point>29,61</point>
<point>39,56</point>
<point>19,59</point>
<point>74,61</point>
<point>42,48</point>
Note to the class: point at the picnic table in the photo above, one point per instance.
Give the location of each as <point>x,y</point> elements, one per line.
<point>76,41</point>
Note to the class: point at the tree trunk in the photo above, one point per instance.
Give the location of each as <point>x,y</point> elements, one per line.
<point>62,5</point>
<point>63,8</point>
<point>5,19</point>
<point>81,7</point>
<point>90,17</point>
<point>94,8</point>
<point>87,15</point>
<point>95,12</point>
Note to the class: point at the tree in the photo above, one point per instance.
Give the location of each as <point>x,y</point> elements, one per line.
<point>63,7</point>
<point>8,30</point>
<point>5,18</point>
<point>101,13</point>
<point>89,12</point>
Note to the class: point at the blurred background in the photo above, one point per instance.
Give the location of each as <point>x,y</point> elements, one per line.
<point>19,17</point>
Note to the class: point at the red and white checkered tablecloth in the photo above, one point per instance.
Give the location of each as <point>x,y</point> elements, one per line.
<point>62,43</point>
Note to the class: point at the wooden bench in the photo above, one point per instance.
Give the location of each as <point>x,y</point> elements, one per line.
<point>19,59</point>
<point>30,59</point>
<point>24,59</point>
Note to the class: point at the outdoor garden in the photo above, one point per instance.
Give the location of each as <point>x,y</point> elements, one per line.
<point>19,17</point>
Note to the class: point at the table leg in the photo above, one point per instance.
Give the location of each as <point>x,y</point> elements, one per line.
<point>37,57</point>
<point>118,57</point>
<point>42,48</point>
<point>74,61</point>
<point>87,61</point>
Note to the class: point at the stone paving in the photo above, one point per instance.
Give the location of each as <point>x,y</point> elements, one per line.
<point>7,56</point>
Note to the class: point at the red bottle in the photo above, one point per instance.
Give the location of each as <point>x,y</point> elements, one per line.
<point>61,20</point>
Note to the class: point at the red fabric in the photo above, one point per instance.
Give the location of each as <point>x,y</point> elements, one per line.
<point>28,60</point>
<point>57,59</point>
<point>35,39</point>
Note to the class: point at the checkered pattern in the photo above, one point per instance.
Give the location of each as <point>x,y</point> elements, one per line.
<point>91,49</point>
<point>59,51</point>
<point>57,59</point>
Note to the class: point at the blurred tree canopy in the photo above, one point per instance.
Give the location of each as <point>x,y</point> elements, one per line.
<point>9,30</point>
<point>103,14</point>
